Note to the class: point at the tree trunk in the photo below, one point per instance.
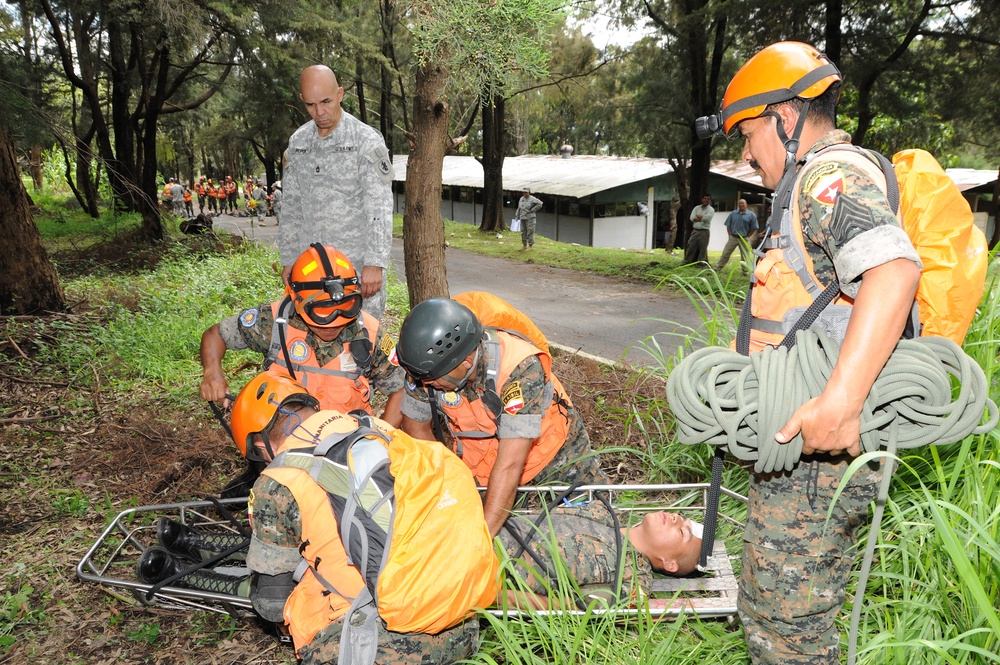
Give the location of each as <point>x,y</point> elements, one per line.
<point>423,230</point>
<point>493,154</point>
<point>387,19</point>
<point>28,281</point>
<point>833,31</point>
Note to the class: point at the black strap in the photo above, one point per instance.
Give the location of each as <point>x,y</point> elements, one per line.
<point>812,313</point>
<point>196,567</point>
<point>220,416</point>
<point>712,508</point>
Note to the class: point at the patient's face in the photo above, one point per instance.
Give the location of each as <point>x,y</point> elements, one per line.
<point>671,537</point>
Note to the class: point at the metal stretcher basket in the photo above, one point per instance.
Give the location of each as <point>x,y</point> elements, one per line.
<point>111,561</point>
<point>712,594</point>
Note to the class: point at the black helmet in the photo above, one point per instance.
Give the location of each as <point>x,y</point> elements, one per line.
<point>436,336</point>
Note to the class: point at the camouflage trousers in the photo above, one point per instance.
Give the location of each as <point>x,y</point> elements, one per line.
<point>456,643</point>
<point>575,463</point>
<point>796,564</point>
<point>528,232</point>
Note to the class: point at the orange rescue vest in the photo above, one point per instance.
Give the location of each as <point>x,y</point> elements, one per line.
<point>474,427</point>
<point>310,608</point>
<point>340,385</point>
<point>786,282</point>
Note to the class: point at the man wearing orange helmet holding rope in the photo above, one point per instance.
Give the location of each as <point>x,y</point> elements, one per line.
<point>831,223</point>
<point>317,334</point>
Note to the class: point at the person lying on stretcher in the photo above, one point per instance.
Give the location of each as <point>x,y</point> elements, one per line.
<point>585,546</point>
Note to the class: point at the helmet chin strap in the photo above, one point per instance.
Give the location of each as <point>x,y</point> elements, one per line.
<point>791,144</point>
<point>458,385</point>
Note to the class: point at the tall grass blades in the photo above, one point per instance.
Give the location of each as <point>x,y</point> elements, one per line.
<point>934,594</point>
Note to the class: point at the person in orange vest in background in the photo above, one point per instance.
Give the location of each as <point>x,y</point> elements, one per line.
<point>188,204</point>
<point>166,199</point>
<point>210,194</point>
<point>489,397</point>
<point>199,189</point>
<point>232,194</point>
<point>221,195</point>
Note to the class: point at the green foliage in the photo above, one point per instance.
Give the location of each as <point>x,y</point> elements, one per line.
<point>488,45</point>
<point>17,608</point>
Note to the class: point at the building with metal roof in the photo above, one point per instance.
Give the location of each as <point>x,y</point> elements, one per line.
<point>608,201</point>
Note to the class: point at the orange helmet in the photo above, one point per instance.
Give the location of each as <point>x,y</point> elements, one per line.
<point>257,406</point>
<point>324,287</point>
<point>777,73</point>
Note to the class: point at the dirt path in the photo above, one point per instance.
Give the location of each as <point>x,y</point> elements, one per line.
<point>597,315</point>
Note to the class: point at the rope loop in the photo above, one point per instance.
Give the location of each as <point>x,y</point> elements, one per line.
<point>930,392</point>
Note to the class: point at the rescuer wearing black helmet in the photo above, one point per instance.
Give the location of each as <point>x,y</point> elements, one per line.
<point>491,396</point>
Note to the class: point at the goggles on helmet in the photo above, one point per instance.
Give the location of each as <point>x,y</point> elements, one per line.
<point>328,302</point>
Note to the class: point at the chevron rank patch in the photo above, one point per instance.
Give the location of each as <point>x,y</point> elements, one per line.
<point>512,397</point>
<point>389,349</point>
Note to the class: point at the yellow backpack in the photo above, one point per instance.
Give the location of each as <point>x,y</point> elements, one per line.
<point>411,521</point>
<point>442,563</point>
<point>939,222</point>
<point>496,313</point>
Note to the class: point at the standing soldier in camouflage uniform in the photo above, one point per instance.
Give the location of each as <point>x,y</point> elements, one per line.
<point>527,206</point>
<point>333,348</point>
<point>289,522</point>
<point>276,202</point>
<point>586,540</point>
<point>487,395</point>
<point>832,203</point>
<point>338,187</point>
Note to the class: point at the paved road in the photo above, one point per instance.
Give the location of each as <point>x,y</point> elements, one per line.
<point>597,315</point>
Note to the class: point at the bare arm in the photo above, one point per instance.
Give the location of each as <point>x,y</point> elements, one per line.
<point>213,382</point>
<point>415,428</point>
<point>831,422</point>
<point>504,479</point>
<point>392,413</point>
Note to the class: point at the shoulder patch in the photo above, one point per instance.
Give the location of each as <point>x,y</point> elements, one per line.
<point>826,188</point>
<point>410,384</point>
<point>451,398</point>
<point>249,317</point>
<point>512,397</point>
<point>299,351</point>
<point>387,347</point>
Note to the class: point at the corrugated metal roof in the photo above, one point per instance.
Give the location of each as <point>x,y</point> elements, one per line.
<point>579,176</point>
<point>583,175</point>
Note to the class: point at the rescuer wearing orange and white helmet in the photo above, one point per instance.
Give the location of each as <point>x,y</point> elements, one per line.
<point>831,226</point>
<point>318,334</point>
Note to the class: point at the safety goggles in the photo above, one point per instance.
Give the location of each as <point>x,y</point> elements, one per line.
<point>329,301</point>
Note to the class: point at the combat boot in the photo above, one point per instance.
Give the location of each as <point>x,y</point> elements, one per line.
<point>191,544</point>
<point>157,564</point>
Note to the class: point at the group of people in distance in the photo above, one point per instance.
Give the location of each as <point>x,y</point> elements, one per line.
<point>491,398</point>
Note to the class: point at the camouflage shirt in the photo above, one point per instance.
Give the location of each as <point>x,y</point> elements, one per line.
<point>526,423</point>
<point>338,192</point>
<point>847,223</point>
<point>583,538</point>
<point>252,329</point>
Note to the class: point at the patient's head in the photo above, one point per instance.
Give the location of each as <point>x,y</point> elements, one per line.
<point>671,542</point>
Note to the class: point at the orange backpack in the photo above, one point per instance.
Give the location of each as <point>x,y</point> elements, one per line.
<point>939,221</point>
<point>496,313</point>
<point>411,521</point>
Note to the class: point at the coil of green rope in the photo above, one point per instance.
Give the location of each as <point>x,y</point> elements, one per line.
<point>722,398</point>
